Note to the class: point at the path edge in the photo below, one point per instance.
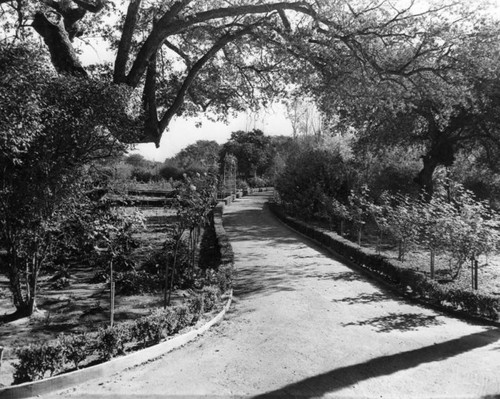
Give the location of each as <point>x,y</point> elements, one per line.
<point>461,315</point>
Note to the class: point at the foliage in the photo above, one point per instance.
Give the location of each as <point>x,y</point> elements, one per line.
<point>75,347</point>
<point>202,155</point>
<point>42,168</point>
<point>304,196</point>
<point>148,330</point>
<point>253,151</point>
<point>36,360</point>
<point>258,182</point>
<point>136,282</point>
<point>211,296</point>
<point>406,279</point>
<point>111,341</point>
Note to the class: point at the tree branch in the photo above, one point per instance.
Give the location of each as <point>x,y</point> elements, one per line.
<point>126,41</point>
<point>152,129</point>
<point>55,36</point>
<point>168,26</point>
<point>91,7</point>
<point>194,71</point>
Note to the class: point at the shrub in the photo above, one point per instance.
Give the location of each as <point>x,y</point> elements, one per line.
<point>225,278</point>
<point>111,341</point>
<point>136,282</point>
<point>257,182</point>
<point>184,317</point>
<point>169,320</point>
<point>148,329</point>
<point>36,360</point>
<point>211,296</point>
<point>75,347</point>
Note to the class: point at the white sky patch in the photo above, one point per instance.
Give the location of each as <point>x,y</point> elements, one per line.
<point>183,132</point>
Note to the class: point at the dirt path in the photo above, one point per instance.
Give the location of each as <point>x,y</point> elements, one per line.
<point>305,325</point>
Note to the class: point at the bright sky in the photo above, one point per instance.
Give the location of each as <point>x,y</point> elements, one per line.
<point>183,132</point>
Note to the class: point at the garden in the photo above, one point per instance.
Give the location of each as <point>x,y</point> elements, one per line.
<point>393,154</point>
<point>443,248</point>
<point>118,279</point>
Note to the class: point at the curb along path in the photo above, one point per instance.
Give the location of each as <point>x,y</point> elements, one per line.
<point>303,324</point>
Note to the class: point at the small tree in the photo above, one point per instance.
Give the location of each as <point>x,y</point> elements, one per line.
<point>359,209</point>
<point>402,220</point>
<point>468,229</point>
<point>41,163</point>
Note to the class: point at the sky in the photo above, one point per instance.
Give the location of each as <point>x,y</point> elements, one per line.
<point>183,132</point>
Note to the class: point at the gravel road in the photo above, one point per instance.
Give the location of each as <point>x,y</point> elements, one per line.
<point>305,325</point>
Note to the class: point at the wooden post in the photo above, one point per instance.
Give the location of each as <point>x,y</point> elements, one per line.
<point>476,267</point>
<point>166,285</point>
<point>472,272</point>
<point>112,293</point>
<point>432,263</point>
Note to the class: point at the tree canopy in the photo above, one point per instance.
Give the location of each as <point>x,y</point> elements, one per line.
<point>189,56</point>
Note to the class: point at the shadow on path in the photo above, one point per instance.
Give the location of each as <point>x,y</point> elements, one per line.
<point>365,298</point>
<point>399,321</point>
<point>385,365</point>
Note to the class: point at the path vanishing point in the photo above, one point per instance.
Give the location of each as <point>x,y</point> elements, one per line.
<point>305,325</point>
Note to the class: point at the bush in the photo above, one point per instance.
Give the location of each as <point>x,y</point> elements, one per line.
<point>111,341</point>
<point>169,320</point>
<point>257,182</point>
<point>196,306</point>
<point>148,330</point>
<point>184,317</point>
<point>225,278</point>
<point>36,360</point>
<point>136,282</point>
<point>211,296</point>
<point>75,347</point>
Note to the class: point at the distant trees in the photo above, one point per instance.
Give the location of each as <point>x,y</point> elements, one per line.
<point>257,154</point>
<point>200,157</point>
<point>435,100</point>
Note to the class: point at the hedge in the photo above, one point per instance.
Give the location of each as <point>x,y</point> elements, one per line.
<point>408,281</point>
<point>66,352</point>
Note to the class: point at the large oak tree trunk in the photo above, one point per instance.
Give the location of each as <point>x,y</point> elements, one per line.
<point>424,177</point>
<point>51,28</point>
<point>25,303</point>
<point>441,152</point>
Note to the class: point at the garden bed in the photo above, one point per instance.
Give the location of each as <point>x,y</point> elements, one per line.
<point>83,306</point>
<point>409,281</point>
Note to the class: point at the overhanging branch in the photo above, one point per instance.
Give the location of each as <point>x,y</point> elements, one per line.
<point>194,71</point>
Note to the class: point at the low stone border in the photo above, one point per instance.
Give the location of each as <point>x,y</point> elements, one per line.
<point>459,314</point>
<point>62,381</point>
<point>67,380</point>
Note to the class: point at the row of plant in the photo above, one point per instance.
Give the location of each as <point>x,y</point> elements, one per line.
<point>69,352</point>
<point>409,281</point>
<point>457,225</point>
<point>449,223</point>
<point>72,351</point>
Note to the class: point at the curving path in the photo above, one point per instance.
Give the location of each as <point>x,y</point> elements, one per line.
<point>305,325</point>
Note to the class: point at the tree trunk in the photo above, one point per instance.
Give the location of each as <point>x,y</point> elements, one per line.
<point>54,34</point>
<point>424,177</point>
